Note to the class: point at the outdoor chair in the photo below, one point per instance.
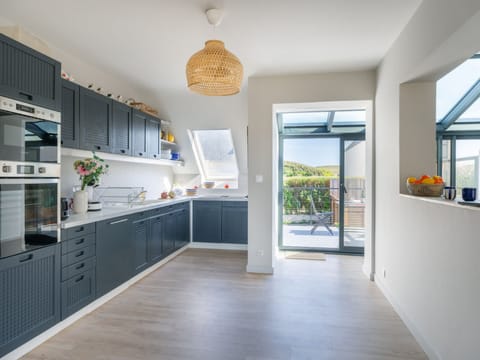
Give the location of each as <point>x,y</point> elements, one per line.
<point>323,218</point>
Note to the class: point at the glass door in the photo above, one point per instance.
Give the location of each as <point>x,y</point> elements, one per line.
<point>322,193</point>
<point>352,200</point>
<point>309,179</point>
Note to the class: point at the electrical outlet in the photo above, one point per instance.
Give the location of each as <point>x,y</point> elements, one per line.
<point>260,252</point>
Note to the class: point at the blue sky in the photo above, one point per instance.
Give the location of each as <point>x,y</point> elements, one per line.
<point>313,152</point>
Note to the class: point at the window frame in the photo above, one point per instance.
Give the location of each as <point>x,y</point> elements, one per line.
<point>220,182</point>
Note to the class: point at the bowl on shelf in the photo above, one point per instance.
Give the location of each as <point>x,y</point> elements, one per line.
<point>208,184</point>
<point>432,190</point>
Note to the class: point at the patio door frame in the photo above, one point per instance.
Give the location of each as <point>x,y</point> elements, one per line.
<point>342,249</point>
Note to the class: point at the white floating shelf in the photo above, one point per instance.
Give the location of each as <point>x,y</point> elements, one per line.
<point>167,142</point>
<point>124,158</point>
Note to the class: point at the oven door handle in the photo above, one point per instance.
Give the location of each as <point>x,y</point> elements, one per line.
<point>21,181</point>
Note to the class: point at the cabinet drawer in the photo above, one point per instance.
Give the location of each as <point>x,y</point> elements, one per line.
<point>80,230</point>
<point>78,292</point>
<point>77,243</point>
<point>79,255</point>
<point>77,268</point>
<point>236,204</point>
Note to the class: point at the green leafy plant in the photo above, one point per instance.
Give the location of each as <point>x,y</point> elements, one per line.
<point>90,170</point>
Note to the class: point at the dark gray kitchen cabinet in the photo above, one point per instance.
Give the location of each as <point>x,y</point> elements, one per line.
<point>140,243</point>
<point>139,134</point>
<point>183,226</point>
<point>29,76</point>
<point>153,138</point>
<point>235,222</point>
<point>170,234</point>
<point>114,249</point>
<point>207,221</point>
<point>70,114</point>
<point>78,268</point>
<point>220,222</point>
<point>29,295</point>
<point>156,249</point>
<point>122,128</point>
<point>95,121</point>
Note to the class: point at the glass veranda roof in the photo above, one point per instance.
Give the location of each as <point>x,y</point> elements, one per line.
<point>458,93</point>
<point>315,122</point>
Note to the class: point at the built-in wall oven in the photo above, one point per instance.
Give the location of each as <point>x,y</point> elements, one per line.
<point>29,177</point>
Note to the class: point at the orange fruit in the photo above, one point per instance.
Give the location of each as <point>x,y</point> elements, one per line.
<point>411,180</point>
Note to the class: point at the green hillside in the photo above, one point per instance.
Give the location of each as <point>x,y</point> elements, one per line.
<point>291,168</point>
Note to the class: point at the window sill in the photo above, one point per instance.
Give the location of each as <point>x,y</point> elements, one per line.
<point>440,201</point>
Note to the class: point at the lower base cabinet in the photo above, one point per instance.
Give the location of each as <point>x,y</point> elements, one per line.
<point>78,292</point>
<point>220,222</point>
<point>29,296</point>
<point>114,249</point>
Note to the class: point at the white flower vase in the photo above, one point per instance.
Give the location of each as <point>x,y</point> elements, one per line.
<point>80,202</point>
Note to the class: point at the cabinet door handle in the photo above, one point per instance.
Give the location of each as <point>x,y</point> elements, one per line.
<point>78,267</point>
<point>81,253</point>
<point>26,258</point>
<point>25,95</point>
<point>123,151</point>
<point>118,221</point>
<point>140,154</point>
<point>80,241</point>
<point>80,229</point>
<point>98,147</point>
<point>154,155</point>
<point>79,279</point>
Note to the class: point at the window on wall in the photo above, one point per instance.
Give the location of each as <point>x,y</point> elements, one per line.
<point>458,124</point>
<point>215,155</point>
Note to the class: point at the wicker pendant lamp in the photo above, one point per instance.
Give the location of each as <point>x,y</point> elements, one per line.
<point>214,71</point>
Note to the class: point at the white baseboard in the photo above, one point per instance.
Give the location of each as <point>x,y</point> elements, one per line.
<point>431,353</point>
<point>218,246</point>
<point>38,340</point>
<point>260,269</point>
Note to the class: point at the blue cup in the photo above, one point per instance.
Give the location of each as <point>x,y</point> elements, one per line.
<point>469,194</point>
<point>449,192</point>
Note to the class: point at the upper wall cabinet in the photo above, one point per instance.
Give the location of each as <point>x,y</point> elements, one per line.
<point>29,76</point>
<point>139,134</point>
<point>153,138</point>
<point>122,128</point>
<point>95,121</point>
<point>70,114</point>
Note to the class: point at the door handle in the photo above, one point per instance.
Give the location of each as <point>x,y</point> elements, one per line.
<point>118,221</point>
<point>26,258</point>
<point>79,279</point>
<point>25,95</point>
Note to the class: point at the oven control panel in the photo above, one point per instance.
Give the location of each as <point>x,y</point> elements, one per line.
<point>18,107</point>
<point>17,169</point>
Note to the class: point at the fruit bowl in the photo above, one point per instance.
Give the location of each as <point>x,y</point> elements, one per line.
<point>433,190</point>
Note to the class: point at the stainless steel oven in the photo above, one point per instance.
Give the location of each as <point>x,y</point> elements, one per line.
<point>28,133</point>
<point>29,177</point>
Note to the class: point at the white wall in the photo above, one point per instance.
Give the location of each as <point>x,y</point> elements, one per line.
<point>188,110</point>
<point>263,94</point>
<point>429,251</point>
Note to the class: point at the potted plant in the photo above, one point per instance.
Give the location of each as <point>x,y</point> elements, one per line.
<point>89,170</point>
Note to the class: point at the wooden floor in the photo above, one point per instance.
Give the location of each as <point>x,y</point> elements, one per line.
<point>203,305</point>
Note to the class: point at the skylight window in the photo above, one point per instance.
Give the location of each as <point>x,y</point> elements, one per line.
<point>215,155</point>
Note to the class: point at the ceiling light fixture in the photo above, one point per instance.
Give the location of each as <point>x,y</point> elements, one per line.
<point>214,71</point>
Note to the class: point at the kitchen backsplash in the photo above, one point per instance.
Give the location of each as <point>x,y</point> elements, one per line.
<point>153,178</point>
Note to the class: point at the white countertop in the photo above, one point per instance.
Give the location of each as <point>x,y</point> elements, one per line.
<point>116,211</point>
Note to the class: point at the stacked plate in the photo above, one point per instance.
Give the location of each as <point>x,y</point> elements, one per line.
<point>190,192</point>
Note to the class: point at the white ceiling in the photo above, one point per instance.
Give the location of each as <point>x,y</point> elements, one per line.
<point>150,41</point>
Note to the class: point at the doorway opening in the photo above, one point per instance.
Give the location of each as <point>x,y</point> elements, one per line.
<point>321,180</point>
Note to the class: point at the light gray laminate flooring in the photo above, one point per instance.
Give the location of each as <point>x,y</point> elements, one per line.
<point>203,305</point>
